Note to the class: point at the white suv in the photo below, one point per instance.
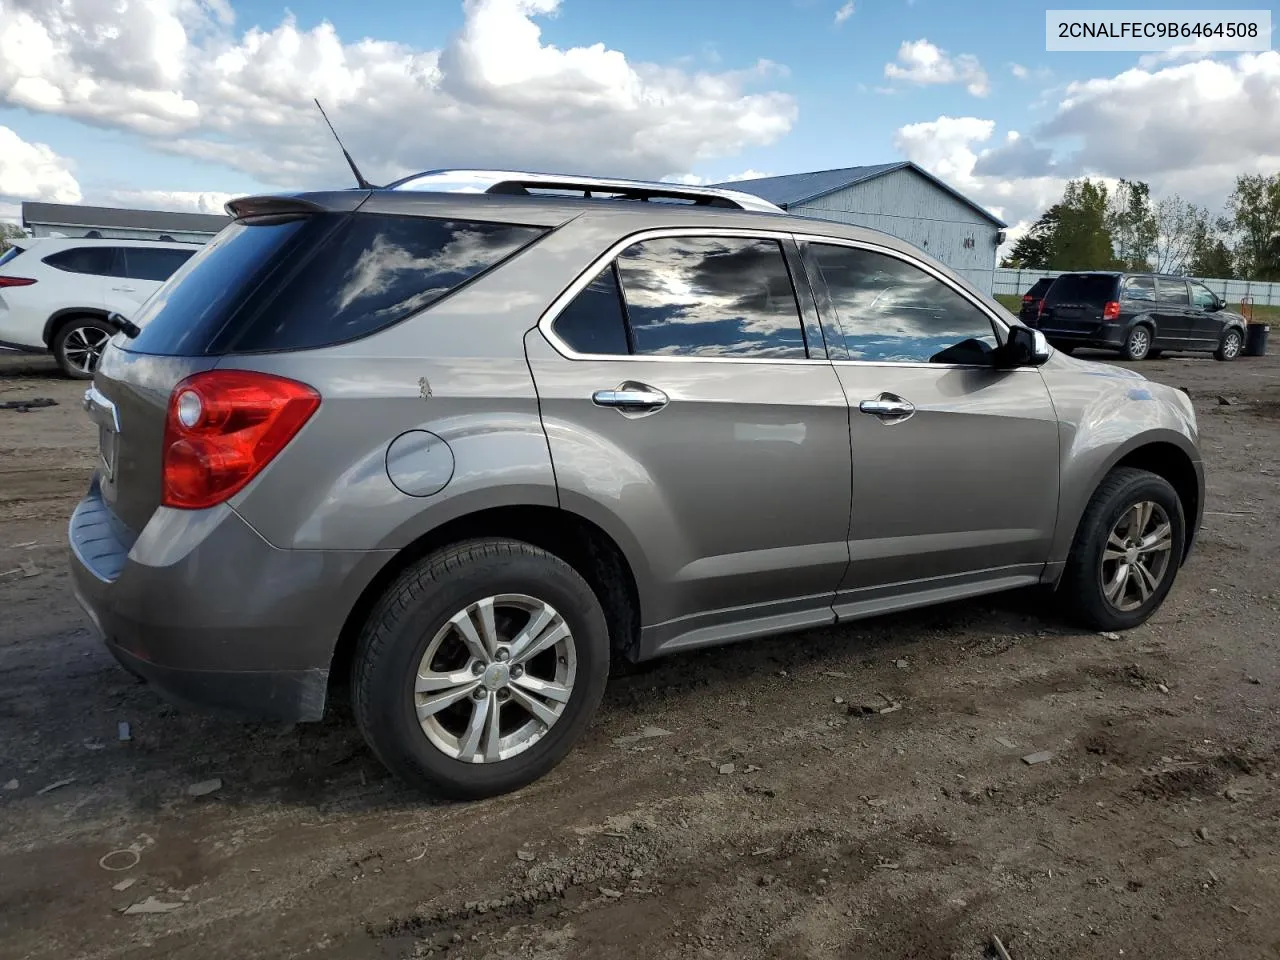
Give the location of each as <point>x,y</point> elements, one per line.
<point>58,294</point>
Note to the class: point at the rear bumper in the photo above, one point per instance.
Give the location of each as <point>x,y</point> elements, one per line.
<point>209,613</point>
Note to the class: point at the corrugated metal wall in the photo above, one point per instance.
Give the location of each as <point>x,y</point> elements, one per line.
<point>1018,281</point>
<point>908,206</point>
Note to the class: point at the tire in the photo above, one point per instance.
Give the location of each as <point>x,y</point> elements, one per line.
<point>1067,348</point>
<point>1229,348</point>
<point>1137,344</point>
<point>1082,590</point>
<point>413,616</point>
<point>1154,354</point>
<point>78,344</point>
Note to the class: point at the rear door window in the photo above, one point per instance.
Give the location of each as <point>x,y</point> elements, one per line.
<point>1172,291</point>
<point>317,281</point>
<point>711,296</point>
<point>94,261</point>
<point>156,264</point>
<point>1082,288</point>
<point>9,254</point>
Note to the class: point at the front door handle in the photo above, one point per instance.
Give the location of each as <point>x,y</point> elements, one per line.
<point>631,396</point>
<point>888,406</point>
<point>124,289</point>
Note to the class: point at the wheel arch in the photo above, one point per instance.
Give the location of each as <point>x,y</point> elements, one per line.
<point>60,317</point>
<point>584,545</point>
<point>1165,454</point>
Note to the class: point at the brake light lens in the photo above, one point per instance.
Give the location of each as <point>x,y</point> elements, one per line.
<point>16,281</point>
<point>1111,311</point>
<point>222,427</point>
<point>1027,298</point>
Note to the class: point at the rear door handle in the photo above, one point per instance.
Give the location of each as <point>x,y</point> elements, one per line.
<point>125,289</point>
<point>631,396</point>
<point>888,406</point>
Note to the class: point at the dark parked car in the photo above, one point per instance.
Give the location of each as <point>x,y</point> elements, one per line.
<point>1138,314</point>
<point>1031,300</point>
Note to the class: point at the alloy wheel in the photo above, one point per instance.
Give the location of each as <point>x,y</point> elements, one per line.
<point>1231,345</point>
<point>1139,343</point>
<point>495,678</point>
<point>1136,556</point>
<point>82,346</point>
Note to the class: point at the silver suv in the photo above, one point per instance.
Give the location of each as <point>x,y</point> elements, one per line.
<point>450,452</point>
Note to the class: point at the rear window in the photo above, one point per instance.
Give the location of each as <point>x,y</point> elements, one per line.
<point>94,261</point>
<point>1039,287</point>
<point>317,281</point>
<point>1082,288</point>
<point>9,254</point>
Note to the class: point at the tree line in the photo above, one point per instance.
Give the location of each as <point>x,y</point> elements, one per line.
<point>1096,228</point>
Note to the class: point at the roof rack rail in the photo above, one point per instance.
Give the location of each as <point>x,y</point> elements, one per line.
<point>516,183</point>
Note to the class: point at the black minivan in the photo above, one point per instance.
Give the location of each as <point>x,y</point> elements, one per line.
<point>1139,315</point>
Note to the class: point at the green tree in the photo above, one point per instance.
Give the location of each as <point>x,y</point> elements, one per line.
<point>9,231</point>
<point>1034,249</point>
<point>1254,206</point>
<point>1212,259</point>
<point>1132,222</point>
<point>1082,240</point>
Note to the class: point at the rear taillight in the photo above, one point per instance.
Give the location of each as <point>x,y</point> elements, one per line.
<point>222,427</point>
<point>16,281</point>
<point>1111,311</point>
<point>1027,298</point>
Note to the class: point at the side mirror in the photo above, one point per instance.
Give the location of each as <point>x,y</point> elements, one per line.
<point>1024,347</point>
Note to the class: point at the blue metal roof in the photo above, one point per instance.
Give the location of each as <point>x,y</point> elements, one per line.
<point>794,189</point>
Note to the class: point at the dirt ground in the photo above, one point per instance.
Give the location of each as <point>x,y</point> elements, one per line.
<point>766,816</point>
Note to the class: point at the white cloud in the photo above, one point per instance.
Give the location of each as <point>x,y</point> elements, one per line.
<point>844,13</point>
<point>1019,71</point>
<point>921,62</point>
<point>693,180</point>
<point>175,72</point>
<point>1189,129</point>
<point>32,171</point>
<point>184,201</point>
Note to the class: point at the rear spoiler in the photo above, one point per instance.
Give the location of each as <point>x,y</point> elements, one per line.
<point>285,206</point>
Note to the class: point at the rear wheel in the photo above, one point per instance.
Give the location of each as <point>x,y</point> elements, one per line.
<point>1137,344</point>
<point>1126,553</point>
<point>480,668</point>
<point>1067,348</point>
<point>78,345</point>
<point>1230,346</point>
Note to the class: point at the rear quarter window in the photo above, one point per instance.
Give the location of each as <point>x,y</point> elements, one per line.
<point>1082,288</point>
<point>318,281</point>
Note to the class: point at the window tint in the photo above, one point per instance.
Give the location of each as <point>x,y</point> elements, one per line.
<point>1082,288</point>
<point>594,321</point>
<point>1138,288</point>
<point>893,311</point>
<point>373,271</point>
<point>711,297</point>
<point>145,263</point>
<point>97,261</point>
<point>1171,291</point>
<point>9,254</point>
<point>1202,296</point>
<point>316,280</point>
<point>1039,287</point>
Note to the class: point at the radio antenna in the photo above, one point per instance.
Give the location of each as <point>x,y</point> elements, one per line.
<point>360,180</point>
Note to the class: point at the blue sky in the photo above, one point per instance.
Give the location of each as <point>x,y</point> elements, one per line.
<point>181,102</point>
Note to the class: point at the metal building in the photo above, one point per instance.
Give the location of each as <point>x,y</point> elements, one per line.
<point>901,199</point>
<point>119,223</point>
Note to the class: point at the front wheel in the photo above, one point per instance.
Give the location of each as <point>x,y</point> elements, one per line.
<point>1230,346</point>
<point>480,668</point>
<point>1127,551</point>
<point>1137,344</point>
<point>78,345</point>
